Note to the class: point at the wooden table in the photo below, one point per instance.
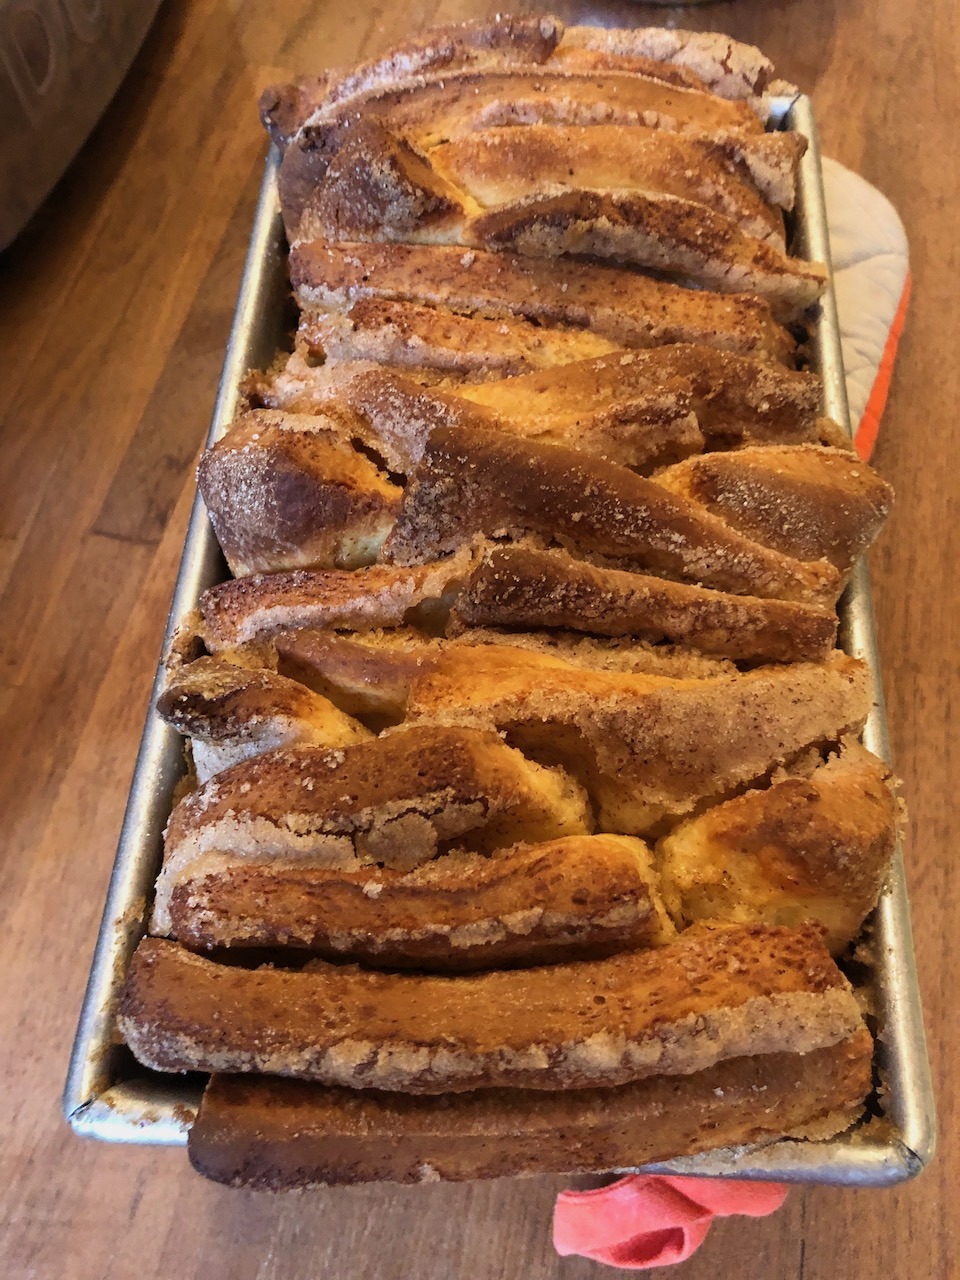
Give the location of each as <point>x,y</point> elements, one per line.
<point>114,308</point>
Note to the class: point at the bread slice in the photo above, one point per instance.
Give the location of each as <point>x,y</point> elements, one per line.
<point>696,60</point>
<point>736,399</point>
<point>231,714</point>
<point>712,994</point>
<point>662,233</point>
<point>628,309</point>
<point>702,60</point>
<point>805,501</point>
<point>410,335</point>
<point>429,108</point>
<point>270,1134</point>
<point>650,425</point>
<point>805,848</point>
<point>642,409</point>
<point>575,898</point>
<point>499,166</point>
<point>377,187</point>
<point>288,491</point>
<point>246,609</point>
<point>520,586</point>
<point>647,748</point>
<point>474,481</point>
<point>397,800</point>
<point>370,674</point>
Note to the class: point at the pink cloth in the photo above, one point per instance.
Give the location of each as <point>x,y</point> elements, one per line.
<point>643,1221</point>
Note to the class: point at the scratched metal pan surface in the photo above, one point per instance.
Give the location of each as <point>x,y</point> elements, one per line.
<point>107,1096</point>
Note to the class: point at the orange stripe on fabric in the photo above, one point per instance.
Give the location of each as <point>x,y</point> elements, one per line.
<point>866,434</point>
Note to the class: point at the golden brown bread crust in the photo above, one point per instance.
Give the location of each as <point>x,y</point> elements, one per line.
<point>427,109</point>
<point>649,425</point>
<point>408,335</point>
<point>397,800</point>
<point>245,609</point>
<point>629,309</point>
<point>524,587</point>
<point>377,187</point>
<point>271,1134</point>
<point>736,399</point>
<point>581,897</point>
<point>674,1010</point>
<point>805,501</point>
<point>370,674</point>
<point>662,233</point>
<point>692,59</point>
<point>498,166</point>
<point>816,847</point>
<point>473,481</point>
<point>643,409</point>
<point>288,491</point>
<point>647,748</point>
<point>232,713</point>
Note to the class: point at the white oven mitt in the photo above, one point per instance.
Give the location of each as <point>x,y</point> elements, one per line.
<point>872,279</point>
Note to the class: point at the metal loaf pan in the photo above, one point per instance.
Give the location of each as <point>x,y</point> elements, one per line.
<point>107,1096</point>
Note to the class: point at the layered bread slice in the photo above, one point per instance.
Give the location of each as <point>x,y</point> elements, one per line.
<point>415,336</point>
<point>246,609</point>
<point>808,502</point>
<point>676,1009</point>
<point>474,481</point>
<point>625,307</point>
<point>397,800</point>
<point>521,586</point>
<point>573,898</point>
<point>272,1134</point>
<point>813,847</point>
<point>370,674</point>
<point>647,748</point>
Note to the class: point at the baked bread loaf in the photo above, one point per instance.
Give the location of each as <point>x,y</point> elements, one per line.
<point>271,1134</point>
<point>537,550</point>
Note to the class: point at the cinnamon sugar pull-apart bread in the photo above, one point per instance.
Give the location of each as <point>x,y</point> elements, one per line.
<point>525,825</point>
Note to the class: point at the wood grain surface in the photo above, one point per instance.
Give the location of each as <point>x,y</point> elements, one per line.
<point>114,308</point>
